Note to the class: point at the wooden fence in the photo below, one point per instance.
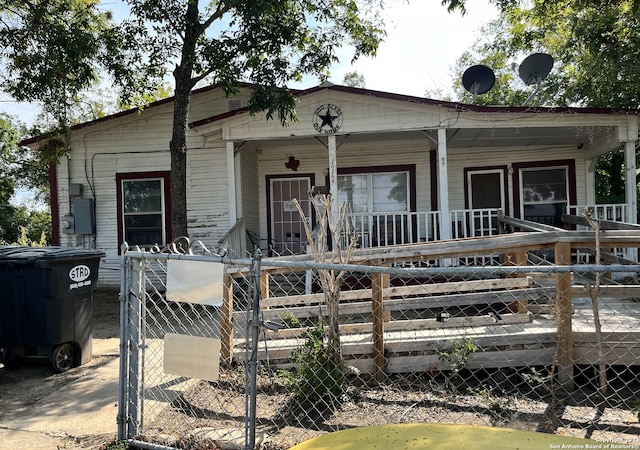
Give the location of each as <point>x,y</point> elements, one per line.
<point>380,343</point>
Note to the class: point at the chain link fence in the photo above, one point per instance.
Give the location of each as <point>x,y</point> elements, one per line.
<point>506,331</point>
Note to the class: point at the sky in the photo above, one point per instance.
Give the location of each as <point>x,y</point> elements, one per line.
<point>422,44</point>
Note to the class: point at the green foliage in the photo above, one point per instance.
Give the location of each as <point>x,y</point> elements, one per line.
<point>51,49</point>
<point>26,228</point>
<point>535,378</point>
<point>609,177</point>
<point>354,79</point>
<point>116,445</point>
<point>457,356</point>
<point>498,403</point>
<point>268,44</point>
<point>20,168</point>
<point>319,378</point>
<point>290,320</point>
<point>595,46</point>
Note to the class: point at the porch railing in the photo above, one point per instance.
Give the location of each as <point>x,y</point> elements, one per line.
<point>385,229</point>
<point>615,212</point>
<point>235,240</point>
<point>380,229</point>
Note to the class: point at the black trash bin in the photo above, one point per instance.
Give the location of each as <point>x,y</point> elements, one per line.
<point>46,304</point>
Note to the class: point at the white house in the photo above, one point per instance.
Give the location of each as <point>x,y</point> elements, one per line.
<point>412,169</point>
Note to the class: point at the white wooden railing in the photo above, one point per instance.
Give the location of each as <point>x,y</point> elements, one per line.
<point>615,212</point>
<point>235,240</point>
<point>381,229</point>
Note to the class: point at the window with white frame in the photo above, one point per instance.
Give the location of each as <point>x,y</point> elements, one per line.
<point>378,203</point>
<point>375,192</point>
<point>142,207</point>
<point>545,194</point>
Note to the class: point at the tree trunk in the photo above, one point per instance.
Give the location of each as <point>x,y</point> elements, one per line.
<point>178,145</point>
<point>178,177</point>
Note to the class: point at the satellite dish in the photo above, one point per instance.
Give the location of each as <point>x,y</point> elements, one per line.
<point>535,68</point>
<point>478,79</point>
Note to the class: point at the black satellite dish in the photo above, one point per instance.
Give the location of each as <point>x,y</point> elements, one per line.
<point>535,68</point>
<point>478,79</point>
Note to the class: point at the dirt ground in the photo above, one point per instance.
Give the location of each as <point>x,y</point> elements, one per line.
<point>35,379</point>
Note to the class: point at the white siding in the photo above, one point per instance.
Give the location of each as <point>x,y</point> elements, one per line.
<point>251,198</point>
<point>207,194</point>
<point>459,159</point>
<point>140,143</point>
<point>360,114</point>
<point>313,159</point>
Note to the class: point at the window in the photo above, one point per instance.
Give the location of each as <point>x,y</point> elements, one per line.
<point>375,192</point>
<point>545,194</point>
<point>379,204</point>
<point>142,207</point>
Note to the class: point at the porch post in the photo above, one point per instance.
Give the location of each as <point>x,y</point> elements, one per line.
<point>590,177</point>
<point>231,185</point>
<point>443,186</point>
<point>333,178</point>
<point>631,196</point>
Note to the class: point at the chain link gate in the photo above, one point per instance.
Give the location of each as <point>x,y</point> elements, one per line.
<point>496,337</point>
<point>155,402</point>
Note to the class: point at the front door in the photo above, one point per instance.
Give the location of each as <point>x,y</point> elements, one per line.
<point>486,191</point>
<point>286,228</point>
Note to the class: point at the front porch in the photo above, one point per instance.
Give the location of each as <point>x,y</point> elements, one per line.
<point>382,230</point>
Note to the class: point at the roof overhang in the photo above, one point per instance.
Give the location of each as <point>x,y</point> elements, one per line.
<point>387,116</point>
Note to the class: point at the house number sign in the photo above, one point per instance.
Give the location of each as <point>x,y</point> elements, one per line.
<point>327,119</point>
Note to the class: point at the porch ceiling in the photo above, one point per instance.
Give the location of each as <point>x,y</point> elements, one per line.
<point>510,137</point>
<point>525,137</point>
<point>593,140</point>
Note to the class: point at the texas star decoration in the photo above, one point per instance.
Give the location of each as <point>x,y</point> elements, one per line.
<point>327,118</point>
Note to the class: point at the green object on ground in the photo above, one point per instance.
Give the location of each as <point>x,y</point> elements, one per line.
<point>443,437</point>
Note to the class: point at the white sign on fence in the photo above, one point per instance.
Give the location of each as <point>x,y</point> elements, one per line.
<point>194,282</point>
<point>192,356</point>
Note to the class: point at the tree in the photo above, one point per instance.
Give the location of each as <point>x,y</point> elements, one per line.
<point>460,5</point>
<point>16,172</point>
<point>596,47</point>
<point>52,50</point>
<point>267,43</point>
<point>354,79</point>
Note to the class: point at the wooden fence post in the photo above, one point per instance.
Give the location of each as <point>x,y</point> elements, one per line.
<point>563,318</point>
<point>226,320</point>
<point>379,282</point>
<point>518,259</point>
<point>265,278</point>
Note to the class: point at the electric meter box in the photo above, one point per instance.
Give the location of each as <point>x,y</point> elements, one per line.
<point>83,213</point>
